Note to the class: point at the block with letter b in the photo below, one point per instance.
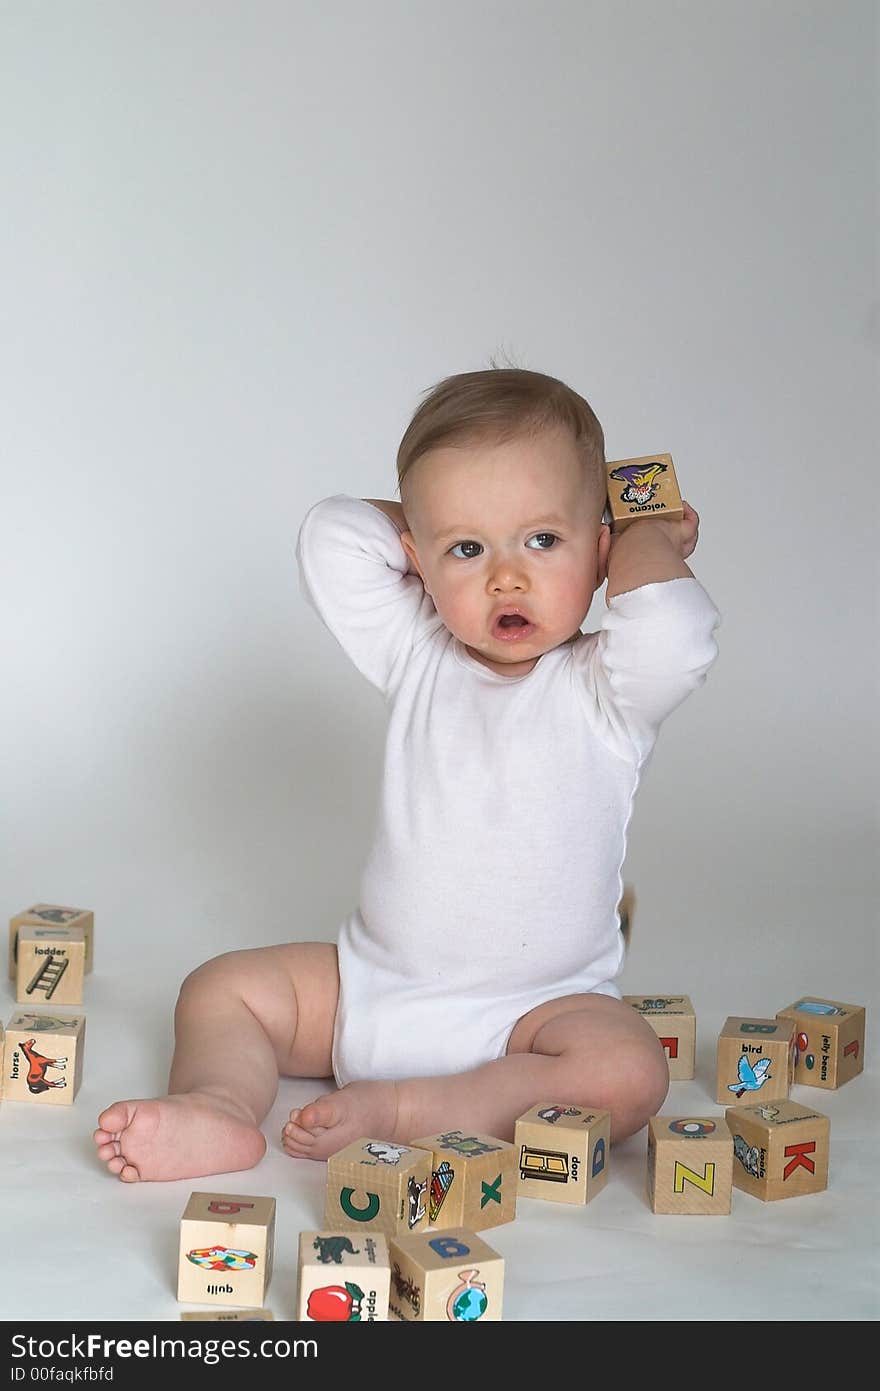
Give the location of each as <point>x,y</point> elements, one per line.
<point>674,1022</point>
<point>473,1180</point>
<point>376,1185</point>
<point>829,1041</point>
<point>342,1277</point>
<point>755,1060</point>
<point>226,1250</point>
<point>562,1152</point>
<point>690,1165</point>
<point>451,1276</point>
<point>780,1149</point>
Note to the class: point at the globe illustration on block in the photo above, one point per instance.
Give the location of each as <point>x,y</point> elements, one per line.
<point>468,1301</point>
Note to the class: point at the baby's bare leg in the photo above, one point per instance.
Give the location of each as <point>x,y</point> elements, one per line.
<point>241,1020</point>
<point>587,1050</point>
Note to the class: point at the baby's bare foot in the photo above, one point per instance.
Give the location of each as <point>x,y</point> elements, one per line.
<point>171,1137</point>
<point>331,1122</point>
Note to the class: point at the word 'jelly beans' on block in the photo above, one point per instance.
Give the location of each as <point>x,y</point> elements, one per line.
<point>377,1185</point>
<point>343,1277</point>
<point>562,1153</point>
<point>780,1149</point>
<point>43,1057</point>
<point>51,915</point>
<point>50,963</point>
<point>229,1315</point>
<point>690,1165</point>
<point>451,1276</point>
<point>473,1180</point>
<point>674,1022</point>
<point>829,1040</point>
<point>226,1249</point>
<point>755,1060</point>
<point>643,487</point>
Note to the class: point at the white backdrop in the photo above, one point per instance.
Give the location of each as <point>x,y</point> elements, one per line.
<point>238,241</point>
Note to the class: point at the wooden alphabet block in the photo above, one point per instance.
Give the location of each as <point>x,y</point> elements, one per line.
<point>690,1165</point>
<point>674,1022</point>
<point>473,1180</point>
<point>50,962</point>
<point>643,487</point>
<point>450,1276</point>
<point>43,1059</point>
<point>52,915</point>
<point>754,1056</point>
<point>226,1250</point>
<point>562,1153</point>
<point>343,1277</point>
<point>829,1041</point>
<point>229,1315</point>
<point>374,1185</point>
<point>780,1149</point>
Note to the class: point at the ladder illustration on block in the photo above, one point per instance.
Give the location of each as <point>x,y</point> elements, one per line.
<point>48,975</point>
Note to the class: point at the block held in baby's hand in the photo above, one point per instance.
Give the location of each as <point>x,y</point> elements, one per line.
<point>643,487</point>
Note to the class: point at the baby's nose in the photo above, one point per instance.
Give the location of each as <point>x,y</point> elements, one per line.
<point>507,574</point>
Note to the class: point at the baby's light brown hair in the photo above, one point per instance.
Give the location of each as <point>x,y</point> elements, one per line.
<point>497,405</point>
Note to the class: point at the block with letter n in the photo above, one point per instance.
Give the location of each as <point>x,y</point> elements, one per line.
<point>690,1165</point>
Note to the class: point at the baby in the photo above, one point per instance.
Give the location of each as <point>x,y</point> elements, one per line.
<point>478,975</point>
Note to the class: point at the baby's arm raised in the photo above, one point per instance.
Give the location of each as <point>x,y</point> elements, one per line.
<point>651,550</point>
<point>355,573</point>
<point>394,510</point>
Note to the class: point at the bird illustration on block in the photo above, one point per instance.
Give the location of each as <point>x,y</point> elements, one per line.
<point>751,1079</point>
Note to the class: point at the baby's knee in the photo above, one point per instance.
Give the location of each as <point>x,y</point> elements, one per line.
<point>643,1086</point>
<point>209,980</point>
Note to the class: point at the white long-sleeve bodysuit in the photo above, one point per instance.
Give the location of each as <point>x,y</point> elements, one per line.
<point>494,877</point>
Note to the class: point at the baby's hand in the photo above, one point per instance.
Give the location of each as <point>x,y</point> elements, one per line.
<point>690,530</point>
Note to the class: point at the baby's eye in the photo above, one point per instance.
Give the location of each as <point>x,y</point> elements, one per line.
<point>545,541</point>
<point>471,549</point>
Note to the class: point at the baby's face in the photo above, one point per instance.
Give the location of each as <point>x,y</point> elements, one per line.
<point>509,543</point>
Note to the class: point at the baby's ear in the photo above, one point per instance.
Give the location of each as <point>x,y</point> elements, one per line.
<point>408,542</point>
<point>603,550</point>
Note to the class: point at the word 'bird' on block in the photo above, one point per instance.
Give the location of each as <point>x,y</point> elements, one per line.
<point>755,1060</point>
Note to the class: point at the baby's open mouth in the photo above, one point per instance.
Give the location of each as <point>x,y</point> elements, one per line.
<point>512,627</point>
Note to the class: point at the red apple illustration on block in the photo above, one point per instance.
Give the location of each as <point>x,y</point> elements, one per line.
<point>335,1304</point>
